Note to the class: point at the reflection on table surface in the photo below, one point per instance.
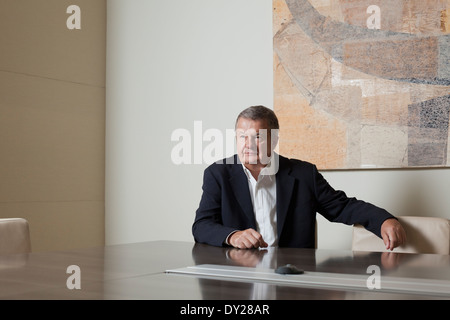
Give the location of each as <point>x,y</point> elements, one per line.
<point>392,264</point>
<point>137,271</point>
<point>426,266</point>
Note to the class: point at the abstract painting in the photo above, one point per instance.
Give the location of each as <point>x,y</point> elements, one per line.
<point>363,83</point>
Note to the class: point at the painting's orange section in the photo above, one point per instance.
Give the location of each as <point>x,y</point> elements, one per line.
<point>306,133</point>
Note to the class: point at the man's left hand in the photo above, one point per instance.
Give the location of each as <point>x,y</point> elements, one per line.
<point>393,234</point>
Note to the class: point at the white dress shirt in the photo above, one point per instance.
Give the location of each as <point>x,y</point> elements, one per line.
<point>264,199</point>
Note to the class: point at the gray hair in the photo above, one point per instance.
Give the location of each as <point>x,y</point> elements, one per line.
<point>260,113</point>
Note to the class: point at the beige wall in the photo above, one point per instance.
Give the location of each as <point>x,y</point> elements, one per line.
<point>52,121</point>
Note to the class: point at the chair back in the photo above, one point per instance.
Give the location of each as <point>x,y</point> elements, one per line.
<point>14,236</point>
<point>424,235</point>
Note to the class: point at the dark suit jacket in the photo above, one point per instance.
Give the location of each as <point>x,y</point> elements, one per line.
<point>302,191</point>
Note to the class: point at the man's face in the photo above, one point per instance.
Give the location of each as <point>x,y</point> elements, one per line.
<point>253,141</point>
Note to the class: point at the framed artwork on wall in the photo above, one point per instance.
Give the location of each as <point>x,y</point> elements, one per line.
<point>363,83</point>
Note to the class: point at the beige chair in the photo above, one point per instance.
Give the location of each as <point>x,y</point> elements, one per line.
<point>14,236</point>
<point>424,235</point>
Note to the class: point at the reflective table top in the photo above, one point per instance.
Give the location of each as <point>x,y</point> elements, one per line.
<point>137,271</point>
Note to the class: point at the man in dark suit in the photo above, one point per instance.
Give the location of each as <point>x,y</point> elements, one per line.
<point>258,198</point>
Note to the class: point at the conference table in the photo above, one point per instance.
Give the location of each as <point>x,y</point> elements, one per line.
<point>197,273</point>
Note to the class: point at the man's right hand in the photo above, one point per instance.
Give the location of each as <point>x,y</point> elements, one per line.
<point>247,239</point>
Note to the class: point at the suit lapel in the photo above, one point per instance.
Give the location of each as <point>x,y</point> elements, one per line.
<point>285,187</point>
<point>239,183</point>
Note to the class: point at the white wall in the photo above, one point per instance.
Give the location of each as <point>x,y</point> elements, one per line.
<point>173,62</point>
<point>406,192</point>
<point>170,63</point>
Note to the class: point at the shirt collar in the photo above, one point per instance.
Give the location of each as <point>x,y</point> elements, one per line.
<point>269,170</point>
